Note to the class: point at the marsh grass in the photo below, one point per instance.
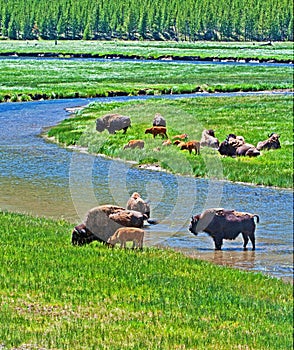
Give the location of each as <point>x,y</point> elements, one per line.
<point>254,117</point>
<point>57,296</point>
<point>153,49</point>
<point>34,79</point>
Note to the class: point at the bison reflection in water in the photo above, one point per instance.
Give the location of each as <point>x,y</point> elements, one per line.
<point>223,224</point>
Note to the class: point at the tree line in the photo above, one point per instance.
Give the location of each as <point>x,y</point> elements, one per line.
<point>187,20</point>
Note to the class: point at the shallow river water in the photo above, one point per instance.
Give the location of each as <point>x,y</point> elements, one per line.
<point>40,178</point>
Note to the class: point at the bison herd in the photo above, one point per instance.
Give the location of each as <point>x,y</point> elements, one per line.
<point>113,224</point>
<point>232,146</point>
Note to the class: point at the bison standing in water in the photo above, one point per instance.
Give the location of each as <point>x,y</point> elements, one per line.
<point>223,224</point>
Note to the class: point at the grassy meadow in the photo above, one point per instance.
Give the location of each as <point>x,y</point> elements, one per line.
<point>57,296</point>
<point>253,117</point>
<point>25,79</point>
<point>278,51</point>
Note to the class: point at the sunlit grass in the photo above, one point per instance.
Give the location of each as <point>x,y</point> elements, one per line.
<point>55,78</point>
<point>57,296</point>
<point>149,49</point>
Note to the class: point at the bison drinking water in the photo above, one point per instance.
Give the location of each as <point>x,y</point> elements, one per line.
<point>223,224</point>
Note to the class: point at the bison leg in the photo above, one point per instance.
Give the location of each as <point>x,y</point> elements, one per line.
<point>252,239</point>
<point>218,242</point>
<point>246,239</point>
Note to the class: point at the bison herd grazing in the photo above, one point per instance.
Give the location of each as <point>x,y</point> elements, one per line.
<point>112,224</point>
<point>232,146</point>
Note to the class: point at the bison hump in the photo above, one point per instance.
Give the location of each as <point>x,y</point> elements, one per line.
<point>104,220</point>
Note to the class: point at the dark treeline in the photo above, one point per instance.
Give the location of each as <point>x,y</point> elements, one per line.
<point>189,20</point>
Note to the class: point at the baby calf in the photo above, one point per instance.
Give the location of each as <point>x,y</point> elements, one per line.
<point>181,137</point>
<point>135,144</point>
<point>127,234</point>
<point>190,146</point>
<point>157,130</point>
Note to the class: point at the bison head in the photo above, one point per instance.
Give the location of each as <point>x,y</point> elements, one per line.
<point>100,125</point>
<point>82,235</point>
<point>193,225</point>
<point>226,149</point>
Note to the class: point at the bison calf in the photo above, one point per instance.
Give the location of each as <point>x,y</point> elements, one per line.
<point>127,234</point>
<point>135,144</point>
<point>157,130</point>
<point>190,146</point>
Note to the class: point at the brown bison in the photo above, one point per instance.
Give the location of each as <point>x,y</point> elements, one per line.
<point>183,137</point>
<point>190,146</point>
<point>127,234</point>
<point>136,203</point>
<point>157,130</point>
<point>167,143</point>
<point>113,123</point>
<point>223,224</point>
<point>272,142</point>
<point>101,223</point>
<point>234,146</point>
<point>135,144</point>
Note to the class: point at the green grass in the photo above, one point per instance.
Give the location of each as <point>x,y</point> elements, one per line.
<point>279,51</point>
<point>56,296</point>
<point>253,117</point>
<point>33,79</point>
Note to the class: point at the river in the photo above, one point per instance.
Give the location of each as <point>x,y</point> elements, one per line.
<point>43,179</point>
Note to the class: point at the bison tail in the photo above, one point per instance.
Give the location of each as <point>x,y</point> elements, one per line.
<point>257,217</point>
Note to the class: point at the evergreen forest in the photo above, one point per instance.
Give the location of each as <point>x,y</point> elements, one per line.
<point>179,20</point>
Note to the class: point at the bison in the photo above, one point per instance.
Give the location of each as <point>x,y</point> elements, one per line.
<point>247,150</point>
<point>167,143</point>
<point>183,137</point>
<point>223,224</point>
<point>190,146</point>
<point>159,120</point>
<point>138,204</point>
<point>235,146</point>
<point>157,130</point>
<point>113,123</point>
<point>81,235</point>
<point>208,139</point>
<point>272,142</point>
<point>135,144</point>
<point>101,223</point>
<point>127,234</point>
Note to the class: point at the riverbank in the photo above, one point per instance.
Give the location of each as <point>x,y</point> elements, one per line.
<point>99,297</point>
<point>191,116</point>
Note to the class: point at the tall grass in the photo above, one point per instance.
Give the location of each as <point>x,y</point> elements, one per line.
<point>57,296</point>
<point>61,78</point>
<point>254,117</point>
<point>280,51</point>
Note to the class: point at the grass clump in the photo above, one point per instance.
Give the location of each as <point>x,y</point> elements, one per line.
<point>54,295</point>
<point>253,117</point>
